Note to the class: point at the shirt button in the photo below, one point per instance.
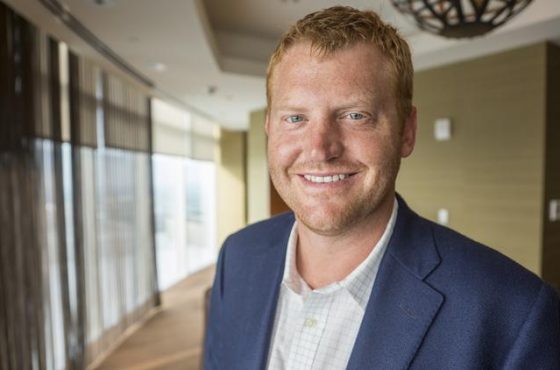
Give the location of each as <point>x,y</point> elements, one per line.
<point>310,323</point>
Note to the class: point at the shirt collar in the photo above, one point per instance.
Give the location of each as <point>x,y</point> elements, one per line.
<point>358,283</point>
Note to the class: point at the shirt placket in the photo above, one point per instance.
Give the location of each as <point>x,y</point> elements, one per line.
<point>313,320</point>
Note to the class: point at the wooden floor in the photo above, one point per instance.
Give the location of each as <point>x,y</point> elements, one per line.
<point>172,338</point>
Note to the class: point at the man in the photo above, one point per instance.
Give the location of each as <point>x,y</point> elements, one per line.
<point>353,279</point>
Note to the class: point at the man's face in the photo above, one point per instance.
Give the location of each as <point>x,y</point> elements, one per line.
<point>334,140</point>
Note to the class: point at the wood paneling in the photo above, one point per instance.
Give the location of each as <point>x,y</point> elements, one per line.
<point>277,204</point>
<point>489,176</point>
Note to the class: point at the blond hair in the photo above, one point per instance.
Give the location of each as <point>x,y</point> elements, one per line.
<point>341,27</point>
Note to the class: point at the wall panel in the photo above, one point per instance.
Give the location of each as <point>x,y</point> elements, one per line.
<point>489,176</point>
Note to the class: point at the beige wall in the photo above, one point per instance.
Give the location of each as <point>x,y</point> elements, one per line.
<point>258,185</point>
<point>243,184</point>
<point>231,201</point>
<point>489,176</point>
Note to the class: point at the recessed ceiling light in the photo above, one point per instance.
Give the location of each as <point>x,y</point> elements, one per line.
<point>159,67</point>
<point>104,3</point>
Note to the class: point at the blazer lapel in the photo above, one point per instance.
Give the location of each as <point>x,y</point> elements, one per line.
<point>257,303</point>
<point>402,306</point>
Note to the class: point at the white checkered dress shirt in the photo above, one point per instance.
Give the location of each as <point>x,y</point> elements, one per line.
<point>316,329</point>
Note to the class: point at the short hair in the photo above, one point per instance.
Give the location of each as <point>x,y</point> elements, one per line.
<point>341,27</point>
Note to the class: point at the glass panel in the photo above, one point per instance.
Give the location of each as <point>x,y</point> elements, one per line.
<point>201,214</point>
<point>54,320</point>
<point>171,219</point>
<point>185,216</point>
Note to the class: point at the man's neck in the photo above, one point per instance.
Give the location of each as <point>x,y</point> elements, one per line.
<point>324,259</point>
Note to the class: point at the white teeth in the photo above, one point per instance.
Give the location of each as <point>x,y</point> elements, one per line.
<point>321,179</point>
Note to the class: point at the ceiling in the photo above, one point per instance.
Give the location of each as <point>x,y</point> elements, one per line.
<point>210,56</point>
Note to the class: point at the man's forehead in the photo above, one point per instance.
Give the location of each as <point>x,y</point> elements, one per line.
<point>304,54</point>
<point>301,64</point>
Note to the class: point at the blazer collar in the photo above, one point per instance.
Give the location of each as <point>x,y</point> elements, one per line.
<point>259,306</point>
<point>413,243</point>
<point>402,306</point>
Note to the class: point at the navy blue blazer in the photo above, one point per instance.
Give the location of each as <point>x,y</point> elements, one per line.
<point>440,301</point>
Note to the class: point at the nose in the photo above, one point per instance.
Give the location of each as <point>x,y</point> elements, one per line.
<point>324,140</point>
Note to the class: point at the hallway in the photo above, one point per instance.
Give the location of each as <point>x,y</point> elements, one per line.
<point>171,338</point>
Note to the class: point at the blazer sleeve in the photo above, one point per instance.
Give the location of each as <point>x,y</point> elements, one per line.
<point>213,347</point>
<point>538,343</point>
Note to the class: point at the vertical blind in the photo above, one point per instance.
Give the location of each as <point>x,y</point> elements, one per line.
<point>126,116</point>
<point>184,134</point>
<point>21,292</point>
<point>77,259</point>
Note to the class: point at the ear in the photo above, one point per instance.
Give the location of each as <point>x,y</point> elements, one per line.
<point>267,122</point>
<point>409,133</point>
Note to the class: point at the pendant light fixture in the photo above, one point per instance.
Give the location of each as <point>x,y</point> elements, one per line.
<point>460,18</point>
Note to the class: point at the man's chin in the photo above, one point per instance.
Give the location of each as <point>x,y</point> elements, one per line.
<point>323,223</point>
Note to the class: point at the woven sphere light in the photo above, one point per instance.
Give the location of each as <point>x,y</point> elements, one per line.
<point>460,18</point>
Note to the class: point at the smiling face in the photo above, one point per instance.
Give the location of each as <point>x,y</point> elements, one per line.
<point>334,136</point>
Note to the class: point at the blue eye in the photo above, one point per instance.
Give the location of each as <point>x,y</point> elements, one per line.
<point>295,119</point>
<point>356,116</point>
